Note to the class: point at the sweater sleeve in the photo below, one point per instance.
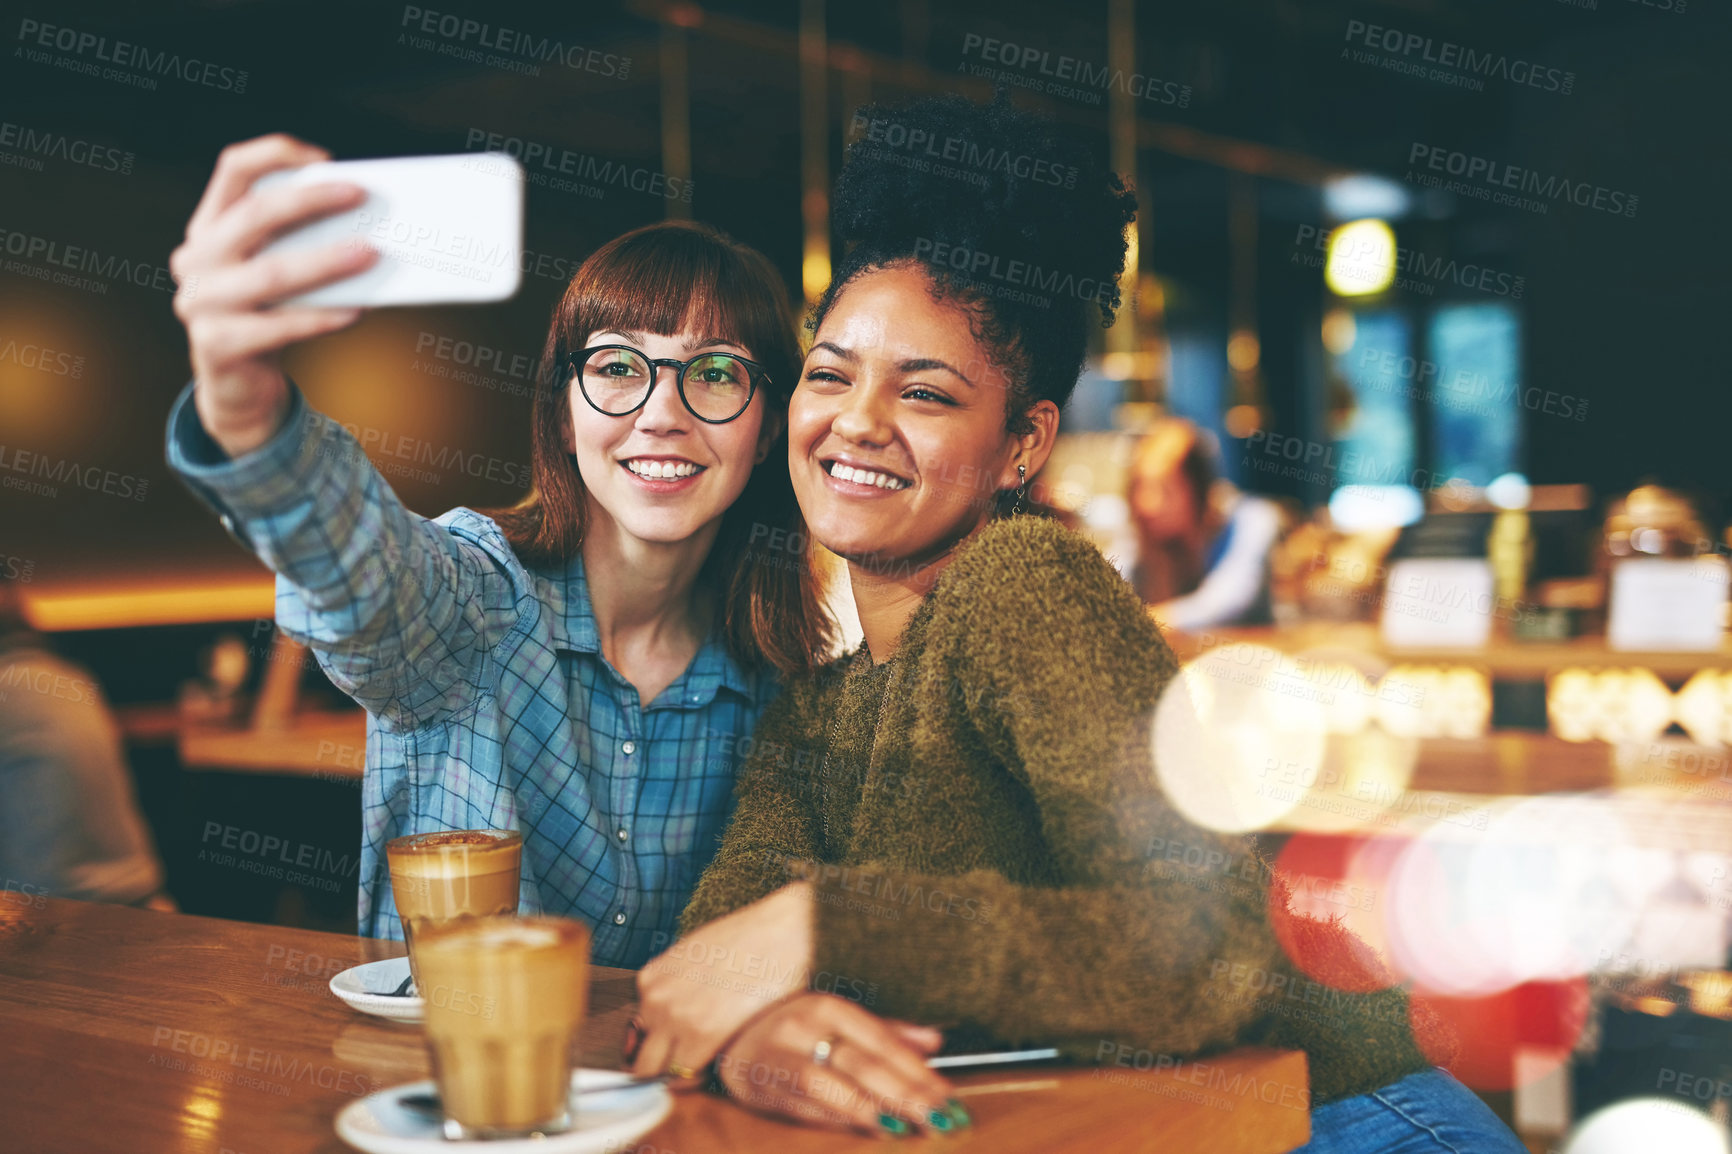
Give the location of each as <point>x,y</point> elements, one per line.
<point>1062,669</point>
<point>774,828</point>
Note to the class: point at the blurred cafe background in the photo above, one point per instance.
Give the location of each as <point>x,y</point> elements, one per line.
<point>1413,430</point>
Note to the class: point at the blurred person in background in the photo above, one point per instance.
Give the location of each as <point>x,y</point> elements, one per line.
<point>1203,546</point>
<point>69,820</point>
<point>585,666</point>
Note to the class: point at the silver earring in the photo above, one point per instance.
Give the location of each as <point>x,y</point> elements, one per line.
<point>1021,489</point>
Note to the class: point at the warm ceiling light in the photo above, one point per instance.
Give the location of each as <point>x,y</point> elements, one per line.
<point>1361,258</point>
<point>1138,366</point>
<point>1704,707</point>
<point>1243,420</point>
<point>119,607</point>
<point>815,274</point>
<point>1340,330</point>
<point>1243,351</point>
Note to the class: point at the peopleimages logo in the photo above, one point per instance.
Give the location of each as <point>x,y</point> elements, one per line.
<point>1410,53</point>
<point>34,143</point>
<point>30,355</point>
<point>1007,278</point>
<point>1364,256</point>
<point>1487,179</point>
<point>409,449</point>
<point>926,147</point>
<point>79,259</point>
<point>1464,391</point>
<point>1068,76</point>
<point>496,46</point>
<point>544,163</point>
<point>88,51</point>
<point>95,478</point>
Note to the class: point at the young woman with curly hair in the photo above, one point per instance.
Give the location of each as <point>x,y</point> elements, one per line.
<point>951,826</point>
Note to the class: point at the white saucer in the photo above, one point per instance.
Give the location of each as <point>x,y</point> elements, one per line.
<point>368,989</point>
<point>605,1122</point>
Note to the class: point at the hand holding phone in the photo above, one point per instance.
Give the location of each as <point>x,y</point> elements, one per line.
<point>254,278</point>
<point>449,229</point>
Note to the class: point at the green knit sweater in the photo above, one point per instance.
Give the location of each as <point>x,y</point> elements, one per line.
<point>994,852</point>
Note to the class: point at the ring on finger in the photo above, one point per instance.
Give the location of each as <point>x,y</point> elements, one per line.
<point>822,1049</point>
<point>681,1071</point>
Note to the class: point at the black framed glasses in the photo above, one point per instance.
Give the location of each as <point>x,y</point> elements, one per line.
<point>618,379</point>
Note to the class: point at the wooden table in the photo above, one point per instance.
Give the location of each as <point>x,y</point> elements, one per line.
<point>136,1032</point>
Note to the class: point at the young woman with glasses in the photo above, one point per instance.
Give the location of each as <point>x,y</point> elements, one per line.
<point>587,666</point>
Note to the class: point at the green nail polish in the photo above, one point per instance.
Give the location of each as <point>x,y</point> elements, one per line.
<point>893,1124</point>
<point>940,1120</point>
<point>959,1112</point>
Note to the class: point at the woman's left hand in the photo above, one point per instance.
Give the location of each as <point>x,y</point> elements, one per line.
<point>826,1061</point>
<point>698,993</point>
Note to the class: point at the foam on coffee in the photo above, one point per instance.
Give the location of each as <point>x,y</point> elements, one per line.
<point>458,837</point>
<point>454,853</point>
<point>489,934</point>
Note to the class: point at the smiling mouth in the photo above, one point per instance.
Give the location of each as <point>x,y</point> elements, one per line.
<point>858,476</point>
<point>660,469</point>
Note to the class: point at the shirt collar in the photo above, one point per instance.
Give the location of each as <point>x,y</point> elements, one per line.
<point>713,669</point>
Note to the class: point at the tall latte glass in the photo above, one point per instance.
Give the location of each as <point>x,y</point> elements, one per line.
<point>438,878</point>
<point>505,998</point>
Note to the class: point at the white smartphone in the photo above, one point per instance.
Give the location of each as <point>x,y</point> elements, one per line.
<point>449,229</point>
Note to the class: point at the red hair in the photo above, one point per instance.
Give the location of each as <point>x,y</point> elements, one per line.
<point>668,278</point>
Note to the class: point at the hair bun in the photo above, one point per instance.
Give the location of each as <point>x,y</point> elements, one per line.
<point>991,197</point>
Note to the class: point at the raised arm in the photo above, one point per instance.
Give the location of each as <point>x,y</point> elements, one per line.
<point>401,611</point>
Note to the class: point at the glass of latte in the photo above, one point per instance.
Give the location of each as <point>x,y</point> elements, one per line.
<point>438,878</point>
<point>505,997</point>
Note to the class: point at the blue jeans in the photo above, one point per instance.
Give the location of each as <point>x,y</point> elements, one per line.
<point>1425,1113</point>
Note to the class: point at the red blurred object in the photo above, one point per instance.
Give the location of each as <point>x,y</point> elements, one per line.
<point>1543,1016</point>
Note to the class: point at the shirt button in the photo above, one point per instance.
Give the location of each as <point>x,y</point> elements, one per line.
<point>622,835</point>
<point>619,918</point>
<point>629,748</point>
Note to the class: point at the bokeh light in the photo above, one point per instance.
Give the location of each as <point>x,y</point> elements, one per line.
<point>1608,705</point>
<point>1648,1126</point>
<point>1235,748</point>
<point>1340,330</point>
<point>1361,258</point>
<point>1704,707</point>
<point>1435,701</point>
<point>1536,896</point>
<point>1362,775</point>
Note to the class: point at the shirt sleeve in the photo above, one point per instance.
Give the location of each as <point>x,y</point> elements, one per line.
<point>402,612</point>
<point>1063,669</point>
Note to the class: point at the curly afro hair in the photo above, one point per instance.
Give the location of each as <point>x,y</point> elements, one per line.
<point>1008,212</point>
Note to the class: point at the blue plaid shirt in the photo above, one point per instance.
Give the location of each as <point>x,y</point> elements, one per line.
<point>489,703</point>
